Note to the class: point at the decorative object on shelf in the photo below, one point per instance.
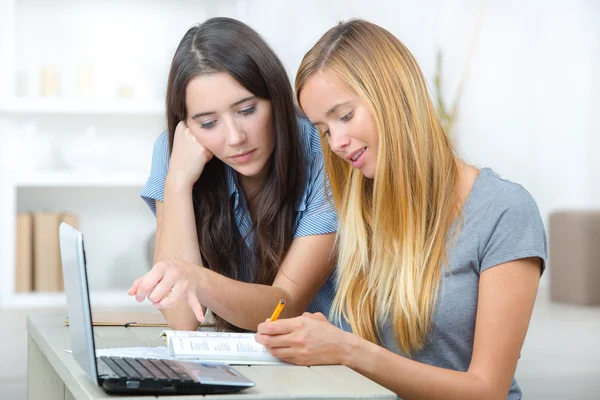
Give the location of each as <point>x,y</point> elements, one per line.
<point>16,151</point>
<point>45,151</point>
<point>122,158</point>
<point>50,82</point>
<point>28,82</point>
<point>125,92</point>
<point>29,150</point>
<point>87,152</point>
<point>94,152</point>
<point>84,80</point>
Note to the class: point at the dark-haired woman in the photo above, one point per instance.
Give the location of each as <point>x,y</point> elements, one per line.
<point>237,187</point>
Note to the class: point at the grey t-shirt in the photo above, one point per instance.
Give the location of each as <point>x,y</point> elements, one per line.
<point>501,223</point>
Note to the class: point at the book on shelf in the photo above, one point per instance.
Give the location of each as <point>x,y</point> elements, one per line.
<point>73,220</point>
<point>228,347</point>
<point>38,266</point>
<point>46,252</point>
<point>24,253</point>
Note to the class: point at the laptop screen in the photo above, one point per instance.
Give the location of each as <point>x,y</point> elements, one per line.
<point>72,255</point>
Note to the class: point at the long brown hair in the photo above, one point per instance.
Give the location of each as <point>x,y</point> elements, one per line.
<point>393,229</point>
<point>228,45</point>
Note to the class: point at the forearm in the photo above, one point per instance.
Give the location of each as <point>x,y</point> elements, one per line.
<point>411,379</point>
<point>177,240</point>
<point>243,304</point>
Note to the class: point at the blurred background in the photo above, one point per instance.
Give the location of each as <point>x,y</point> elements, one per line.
<point>82,87</point>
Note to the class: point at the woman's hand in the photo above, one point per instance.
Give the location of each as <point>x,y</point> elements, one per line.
<point>168,284</point>
<point>188,157</point>
<point>306,340</point>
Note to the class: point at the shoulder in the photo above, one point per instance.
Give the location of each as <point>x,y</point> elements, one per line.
<point>509,218</point>
<point>502,195</point>
<point>160,155</point>
<point>508,221</point>
<point>309,137</point>
<point>162,142</point>
<point>315,191</point>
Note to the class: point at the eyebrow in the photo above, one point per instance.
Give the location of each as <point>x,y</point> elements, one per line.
<point>331,111</point>
<point>233,105</point>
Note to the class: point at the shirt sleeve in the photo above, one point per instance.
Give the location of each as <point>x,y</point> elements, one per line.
<point>155,185</point>
<point>317,214</point>
<point>513,229</point>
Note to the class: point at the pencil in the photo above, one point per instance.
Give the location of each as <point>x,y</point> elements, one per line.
<point>278,309</point>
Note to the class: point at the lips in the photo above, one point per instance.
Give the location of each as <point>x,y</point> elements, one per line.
<point>355,154</point>
<point>240,155</point>
<point>360,153</point>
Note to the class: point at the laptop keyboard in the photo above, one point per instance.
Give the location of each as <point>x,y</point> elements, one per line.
<point>147,368</point>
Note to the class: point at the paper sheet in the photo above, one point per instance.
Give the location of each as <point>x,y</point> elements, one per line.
<point>163,354</point>
<point>136,352</point>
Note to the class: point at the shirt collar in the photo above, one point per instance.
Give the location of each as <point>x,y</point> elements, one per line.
<point>232,186</point>
<point>233,190</point>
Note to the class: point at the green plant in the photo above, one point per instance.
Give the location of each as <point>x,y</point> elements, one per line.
<point>448,113</point>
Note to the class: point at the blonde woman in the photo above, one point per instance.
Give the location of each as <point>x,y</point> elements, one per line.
<point>438,262</point>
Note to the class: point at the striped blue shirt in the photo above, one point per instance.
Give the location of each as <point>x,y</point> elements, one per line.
<point>315,213</point>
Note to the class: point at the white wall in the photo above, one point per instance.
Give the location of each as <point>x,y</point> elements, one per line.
<point>531,102</point>
<point>529,109</point>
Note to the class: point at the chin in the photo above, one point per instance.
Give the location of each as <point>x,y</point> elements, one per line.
<point>368,173</point>
<point>249,170</point>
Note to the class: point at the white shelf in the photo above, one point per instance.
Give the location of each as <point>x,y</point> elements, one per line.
<point>99,299</point>
<point>79,106</point>
<point>61,117</point>
<point>81,179</point>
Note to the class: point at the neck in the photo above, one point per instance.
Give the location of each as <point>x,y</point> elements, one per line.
<point>252,184</point>
<point>467,175</point>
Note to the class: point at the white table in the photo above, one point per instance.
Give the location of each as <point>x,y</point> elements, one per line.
<point>53,374</point>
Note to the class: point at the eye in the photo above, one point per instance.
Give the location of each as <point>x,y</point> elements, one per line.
<point>247,110</point>
<point>207,124</point>
<point>347,117</point>
<point>325,134</point>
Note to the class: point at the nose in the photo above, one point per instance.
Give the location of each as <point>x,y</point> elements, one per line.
<point>338,140</point>
<point>235,133</point>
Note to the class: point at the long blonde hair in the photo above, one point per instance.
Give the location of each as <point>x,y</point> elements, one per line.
<point>393,229</point>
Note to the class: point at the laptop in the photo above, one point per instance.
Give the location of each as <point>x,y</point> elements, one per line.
<point>125,375</point>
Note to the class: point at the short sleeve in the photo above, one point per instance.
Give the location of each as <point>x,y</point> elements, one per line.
<point>316,216</point>
<point>512,229</point>
<point>155,185</point>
